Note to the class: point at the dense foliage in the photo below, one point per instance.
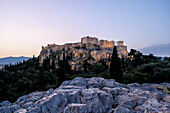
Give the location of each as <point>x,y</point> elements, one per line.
<point>23,78</point>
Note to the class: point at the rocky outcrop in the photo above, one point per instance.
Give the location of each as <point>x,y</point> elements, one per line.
<point>88,49</point>
<point>92,95</point>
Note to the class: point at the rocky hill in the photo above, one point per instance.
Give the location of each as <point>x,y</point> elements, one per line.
<point>94,95</point>
<point>88,49</point>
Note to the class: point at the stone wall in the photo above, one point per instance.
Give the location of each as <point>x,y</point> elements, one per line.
<point>119,43</point>
<point>122,51</point>
<point>106,44</point>
<point>89,40</point>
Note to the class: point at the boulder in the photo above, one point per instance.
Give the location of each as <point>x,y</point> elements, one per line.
<point>133,86</point>
<point>121,109</point>
<point>5,103</point>
<point>74,97</point>
<point>78,81</point>
<point>21,111</point>
<point>9,109</point>
<point>76,108</point>
<point>56,102</point>
<point>91,99</point>
<point>106,99</point>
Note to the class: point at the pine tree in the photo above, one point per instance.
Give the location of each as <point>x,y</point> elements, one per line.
<point>115,66</point>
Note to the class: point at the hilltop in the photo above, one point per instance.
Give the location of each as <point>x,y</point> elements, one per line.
<point>90,48</point>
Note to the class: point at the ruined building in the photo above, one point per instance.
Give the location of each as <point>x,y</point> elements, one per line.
<point>90,48</point>
<point>94,43</point>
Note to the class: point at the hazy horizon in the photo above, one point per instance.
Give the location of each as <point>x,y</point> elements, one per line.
<point>26,26</point>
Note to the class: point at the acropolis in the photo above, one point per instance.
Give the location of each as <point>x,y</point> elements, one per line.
<point>88,47</point>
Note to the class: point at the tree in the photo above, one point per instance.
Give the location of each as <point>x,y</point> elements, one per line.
<point>46,64</point>
<point>123,62</point>
<point>85,65</point>
<point>115,66</point>
<point>53,64</point>
<point>64,68</point>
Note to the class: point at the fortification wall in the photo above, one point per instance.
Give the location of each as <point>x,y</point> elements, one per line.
<point>89,40</point>
<point>122,51</point>
<point>119,43</point>
<point>106,44</point>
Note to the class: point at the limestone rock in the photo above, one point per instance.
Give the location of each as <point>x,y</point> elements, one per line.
<point>78,81</point>
<point>121,109</point>
<point>56,102</point>
<point>76,108</point>
<point>21,111</point>
<point>95,95</point>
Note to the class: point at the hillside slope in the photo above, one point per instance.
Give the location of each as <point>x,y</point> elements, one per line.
<point>12,60</point>
<point>159,50</point>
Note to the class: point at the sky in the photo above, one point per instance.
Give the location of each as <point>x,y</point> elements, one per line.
<point>27,25</point>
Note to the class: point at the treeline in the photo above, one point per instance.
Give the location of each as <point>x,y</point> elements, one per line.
<point>146,68</point>
<point>28,76</point>
<point>23,78</point>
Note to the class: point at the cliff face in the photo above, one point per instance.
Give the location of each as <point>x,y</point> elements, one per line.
<point>88,49</point>
<point>93,95</point>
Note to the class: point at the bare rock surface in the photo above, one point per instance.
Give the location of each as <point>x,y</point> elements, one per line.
<point>93,95</point>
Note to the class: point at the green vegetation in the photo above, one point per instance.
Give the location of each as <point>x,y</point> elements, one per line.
<point>23,78</point>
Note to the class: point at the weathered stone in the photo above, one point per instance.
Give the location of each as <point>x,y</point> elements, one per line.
<point>117,100</point>
<point>9,109</point>
<point>129,103</point>
<point>76,108</point>
<point>31,98</point>
<point>121,109</point>
<point>106,99</point>
<point>157,96</point>
<point>167,99</point>
<point>95,106</point>
<point>56,102</point>
<point>141,100</point>
<point>78,81</point>
<point>134,86</point>
<point>104,96</point>
<point>71,87</point>
<point>74,97</point>
<point>21,111</point>
<point>111,110</point>
<point>5,103</point>
<point>88,95</point>
<point>65,83</point>
<point>96,82</point>
<point>91,99</point>
<point>120,85</point>
<point>149,88</point>
<point>163,86</point>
